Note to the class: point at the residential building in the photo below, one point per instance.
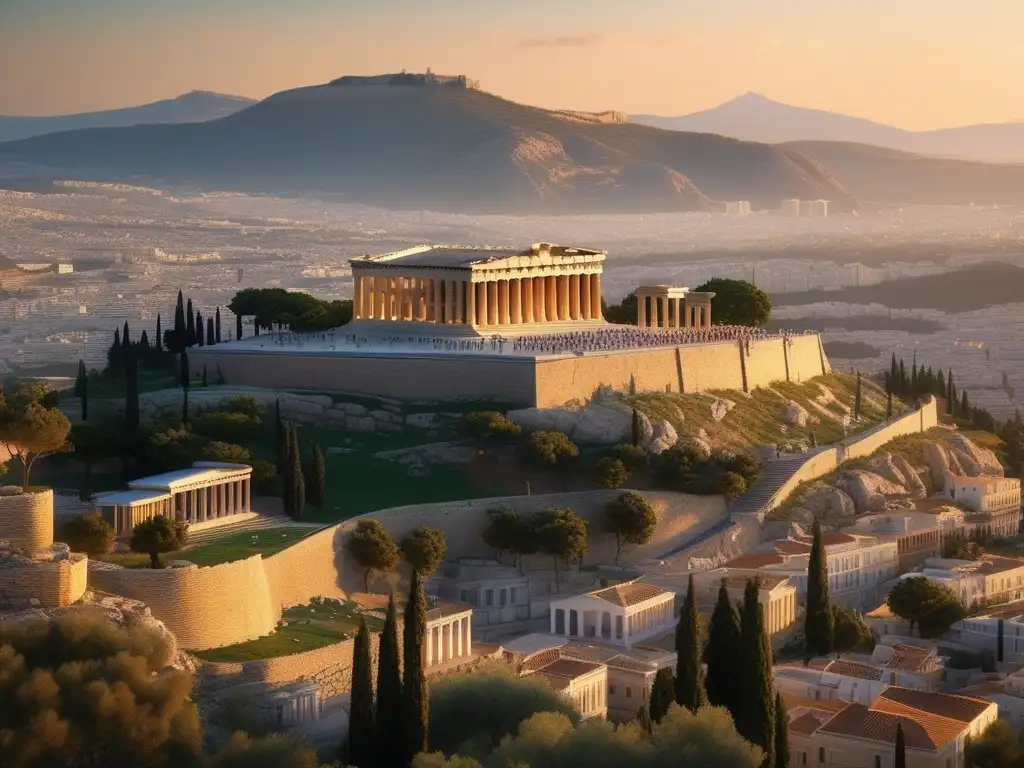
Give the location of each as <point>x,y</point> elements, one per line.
<point>775,593</point>
<point>999,630</point>
<point>585,683</point>
<point>621,615</point>
<point>990,579</point>
<point>918,535</point>
<point>993,502</point>
<point>935,727</point>
<point>499,594</point>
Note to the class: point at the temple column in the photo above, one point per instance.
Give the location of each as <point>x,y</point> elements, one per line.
<point>438,301</point>
<point>503,302</point>
<point>481,303</point>
<point>641,310</point>
<point>527,285</point>
<point>585,297</point>
<point>678,313</point>
<point>707,315</point>
<point>492,302</point>
<point>451,302</point>
<point>470,288</point>
<point>595,296</point>
<point>563,297</point>
<point>357,298</point>
<point>515,295</point>
<point>663,310</point>
<point>399,298</point>
<point>574,297</point>
<point>551,294</point>
<point>652,321</point>
<point>539,302</point>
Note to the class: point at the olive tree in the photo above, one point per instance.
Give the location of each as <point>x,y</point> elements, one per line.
<point>562,534</point>
<point>631,520</point>
<point>30,430</point>
<point>156,535</point>
<point>373,549</point>
<point>424,549</point>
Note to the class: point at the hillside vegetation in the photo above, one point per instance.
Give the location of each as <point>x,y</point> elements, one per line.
<point>765,416</point>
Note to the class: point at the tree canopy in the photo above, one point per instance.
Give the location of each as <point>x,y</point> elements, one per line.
<point>631,520</point>
<point>548,450</point>
<point>424,549</point>
<point>737,302</point>
<point>930,606</point>
<point>508,532</point>
<point>372,548</point>
<point>29,429</point>
<point>295,310</point>
<point>158,534</point>
<point>562,534</point>
<point>90,534</point>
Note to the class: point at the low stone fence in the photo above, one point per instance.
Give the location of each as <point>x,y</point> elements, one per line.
<point>52,584</point>
<point>26,519</point>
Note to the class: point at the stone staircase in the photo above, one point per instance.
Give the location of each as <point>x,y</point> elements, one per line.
<point>775,475</point>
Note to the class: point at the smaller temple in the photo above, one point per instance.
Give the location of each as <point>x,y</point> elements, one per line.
<point>665,306</point>
<point>207,492</point>
<point>620,615</point>
<point>449,633</point>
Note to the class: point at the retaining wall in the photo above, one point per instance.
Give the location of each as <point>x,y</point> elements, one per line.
<point>828,459</point>
<point>26,520</point>
<point>52,583</point>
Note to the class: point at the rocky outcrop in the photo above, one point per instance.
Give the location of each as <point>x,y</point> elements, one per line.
<point>419,459</point>
<point>720,408</point>
<point>913,482</point>
<point>663,437</point>
<point>897,470</point>
<point>869,491</point>
<point>832,506</point>
<point>961,457</point>
<point>797,416</point>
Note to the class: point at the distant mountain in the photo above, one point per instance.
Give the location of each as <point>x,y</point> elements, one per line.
<point>440,148</point>
<point>194,107</point>
<point>752,117</point>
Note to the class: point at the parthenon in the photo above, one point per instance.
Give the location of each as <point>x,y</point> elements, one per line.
<point>480,288</point>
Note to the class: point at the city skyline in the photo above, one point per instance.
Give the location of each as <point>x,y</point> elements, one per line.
<point>942,66</point>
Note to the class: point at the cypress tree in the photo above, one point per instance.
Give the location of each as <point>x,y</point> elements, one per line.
<point>414,685</point>
<point>316,482</point>
<point>206,383</point>
<point>688,667</point>
<point>819,625</point>
<point>131,389</point>
<point>965,406</point>
<point>280,437</point>
<point>663,694</point>
<point>636,428</point>
<point>200,332</point>
<point>298,482</point>
<point>216,326</point>
<point>900,758</point>
<point>389,692</point>
<point>643,717</point>
<point>190,325</point>
<point>894,373</point>
<point>756,699</point>
<point>888,405</point>
<point>287,477</point>
<point>238,327</point>
<point>361,730</point>
<point>781,733</point>
<point>126,342</point>
<point>78,379</point>
<point>722,652</point>
<point>185,379</point>
<point>159,345</point>
<point>950,393</point>
<point>915,380</point>
<point>144,347</point>
<point>904,383</point>
<point>210,331</point>
<point>856,399</point>
<point>85,390</point>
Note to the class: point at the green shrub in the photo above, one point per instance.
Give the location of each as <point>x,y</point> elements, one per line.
<point>633,456</point>
<point>611,473</point>
<point>489,425</point>
<point>90,534</point>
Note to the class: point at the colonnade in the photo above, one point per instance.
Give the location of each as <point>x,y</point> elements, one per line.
<point>210,502</point>
<point>447,640</point>
<point>513,301</point>
<point>667,311</point>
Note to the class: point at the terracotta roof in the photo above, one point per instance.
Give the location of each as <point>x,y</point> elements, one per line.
<point>853,669</point>
<point>756,560</point>
<point>542,658</point>
<point>556,682</point>
<point>767,582</point>
<point>792,547</point>
<point>577,650</point>
<point>568,669</point>
<point>835,537</point>
<point>995,564</point>
<point>963,709</point>
<point>632,665</point>
<point>859,722</point>
<point>630,594</point>
<point>911,659</point>
<point>807,723</point>
<point>827,706</point>
<point>443,609</point>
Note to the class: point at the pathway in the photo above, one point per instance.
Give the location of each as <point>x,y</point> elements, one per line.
<point>262,522</point>
<point>776,474</point>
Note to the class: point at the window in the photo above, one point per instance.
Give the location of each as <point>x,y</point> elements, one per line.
<point>504,597</point>
<point>821,755</point>
<point>629,692</point>
<point>878,761</point>
<point>803,758</point>
<point>512,595</point>
<point>611,688</point>
<point>489,597</point>
<point>466,597</point>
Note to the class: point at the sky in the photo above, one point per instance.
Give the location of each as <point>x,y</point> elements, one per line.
<point>917,64</point>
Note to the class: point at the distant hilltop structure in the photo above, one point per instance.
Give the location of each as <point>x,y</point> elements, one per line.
<point>427,78</point>
<point>808,209</point>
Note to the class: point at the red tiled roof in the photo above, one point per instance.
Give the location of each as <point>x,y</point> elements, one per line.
<point>963,709</point>
<point>792,547</point>
<point>853,669</point>
<point>859,722</point>
<point>541,658</point>
<point>630,594</point>
<point>756,560</point>
<point>444,608</point>
<point>632,665</point>
<point>807,723</point>
<point>568,668</point>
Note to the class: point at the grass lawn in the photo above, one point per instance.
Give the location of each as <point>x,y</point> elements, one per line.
<point>302,628</point>
<point>232,546</point>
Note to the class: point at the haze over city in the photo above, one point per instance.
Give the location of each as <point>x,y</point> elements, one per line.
<point>461,384</point>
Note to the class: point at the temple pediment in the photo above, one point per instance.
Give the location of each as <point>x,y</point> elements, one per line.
<point>481,259</point>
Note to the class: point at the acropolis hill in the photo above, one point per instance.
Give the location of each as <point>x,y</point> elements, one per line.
<point>524,327</point>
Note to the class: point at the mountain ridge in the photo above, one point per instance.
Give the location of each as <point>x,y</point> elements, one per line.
<point>754,117</point>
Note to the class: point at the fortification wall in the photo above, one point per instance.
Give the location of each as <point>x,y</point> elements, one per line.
<point>543,383</point>
<point>711,366</point>
<point>410,377</point>
<point>203,607</point>
<point>26,520</point>
<point>305,570</point>
<point>859,446</point>
<point>52,583</point>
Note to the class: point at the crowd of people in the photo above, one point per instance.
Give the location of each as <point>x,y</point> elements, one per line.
<point>606,339</point>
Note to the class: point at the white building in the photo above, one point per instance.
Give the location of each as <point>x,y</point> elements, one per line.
<point>994,502</point>
<point>790,207</point>
<point>499,594</point>
<point>449,633</point>
<point>620,615</point>
<point>999,630</point>
<point>208,494</point>
<point>584,683</point>
<point>990,578</point>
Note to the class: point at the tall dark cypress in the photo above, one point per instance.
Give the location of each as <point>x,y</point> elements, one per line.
<point>179,337</point>
<point>361,731</point>
<point>781,733</point>
<point>857,399</point>
<point>158,346</point>
<point>185,379</point>
<point>238,327</point>
<point>298,482</point>
<point>280,437</point>
<point>316,482</point>
<point>200,329</point>
<point>904,382</point>
<point>131,389</point>
<point>722,652</point>
<point>216,326</point>
<point>756,698</point>
<point>287,478</point>
<point>144,347</point>
<point>688,667</point>
<point>965,406</point>
<point>126,341</point>
<point>190,325</point>
<point>84,391</point>
<point>414,685</point>
<point>636,428</point>
<point>79,378</point>
<point>210,332</point>
<point>819,626</point>
<point>894,375</point>
<point>389,692</point>
<point>900,757</point>
<point>950,393</point>
<point>663,694</point>
<point>888,405</point>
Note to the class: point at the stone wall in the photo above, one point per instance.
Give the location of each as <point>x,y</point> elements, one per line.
<point>856,447</point>
<point>53,583</point>
<point>204,607</point>
<point>234,602</point>
<point>26,520</point>
<point>543,383</point>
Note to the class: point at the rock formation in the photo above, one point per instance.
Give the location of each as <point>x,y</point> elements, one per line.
<point>869,491</point>
<point>961,457</point>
